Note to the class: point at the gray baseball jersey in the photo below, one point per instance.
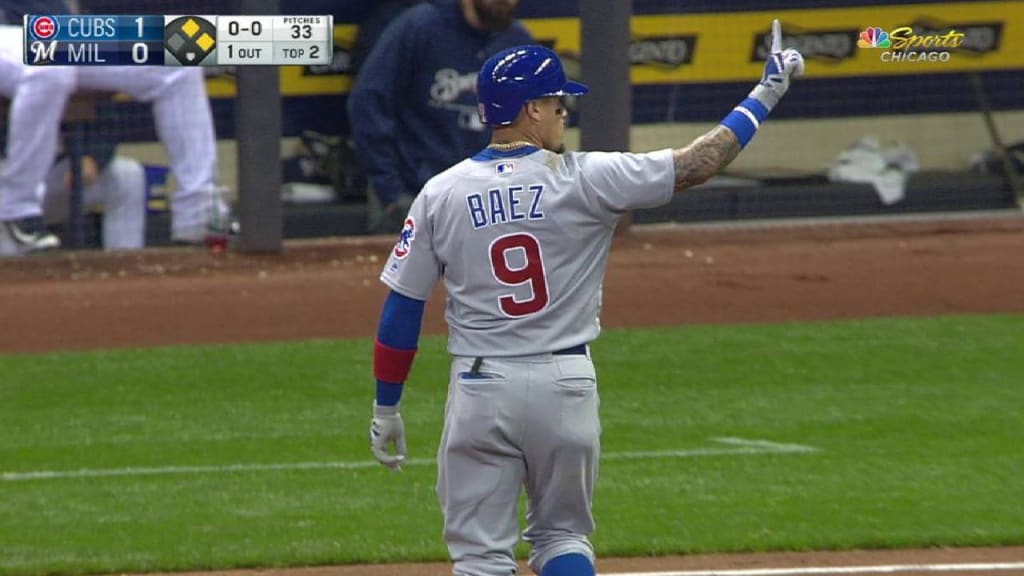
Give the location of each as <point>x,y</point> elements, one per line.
<point>522,244</point>
<point>521,240</point>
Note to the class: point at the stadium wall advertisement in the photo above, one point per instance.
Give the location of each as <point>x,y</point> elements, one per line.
<point>685,64</point>
<point>694,59</point>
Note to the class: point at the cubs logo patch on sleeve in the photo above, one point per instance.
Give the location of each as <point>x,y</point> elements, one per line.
<point>404,244</point>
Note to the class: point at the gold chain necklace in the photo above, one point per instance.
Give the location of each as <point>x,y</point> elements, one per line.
<point>506,146</point>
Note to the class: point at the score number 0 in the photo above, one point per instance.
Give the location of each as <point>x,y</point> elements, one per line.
<point>234,29</point>
<point>140,52</point>
<point>256,28</point>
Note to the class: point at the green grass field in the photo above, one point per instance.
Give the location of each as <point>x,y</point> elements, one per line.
<point>877,433</point>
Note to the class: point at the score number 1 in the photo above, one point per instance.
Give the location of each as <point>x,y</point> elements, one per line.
<point>147,30</point>
<point>140,51</point>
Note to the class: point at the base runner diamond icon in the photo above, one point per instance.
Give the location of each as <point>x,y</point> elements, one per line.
<point>190,39</point>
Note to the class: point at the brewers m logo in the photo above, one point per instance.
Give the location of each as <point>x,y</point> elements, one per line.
<point>42,52</point>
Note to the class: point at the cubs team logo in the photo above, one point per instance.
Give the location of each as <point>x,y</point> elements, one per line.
<point>404,244</point>
<point>44,27</point>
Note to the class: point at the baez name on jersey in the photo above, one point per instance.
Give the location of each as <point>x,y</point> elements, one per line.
<point>504,205</point>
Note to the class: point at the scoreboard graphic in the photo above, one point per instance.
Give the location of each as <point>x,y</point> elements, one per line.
<point>179,40</point>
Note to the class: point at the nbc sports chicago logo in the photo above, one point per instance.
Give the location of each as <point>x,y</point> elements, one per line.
<point>903,45</point>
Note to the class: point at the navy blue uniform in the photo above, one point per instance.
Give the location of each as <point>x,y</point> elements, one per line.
<point>413,111</point>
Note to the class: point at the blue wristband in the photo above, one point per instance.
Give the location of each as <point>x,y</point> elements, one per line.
<point>388,393</point>
<point>745,119</point>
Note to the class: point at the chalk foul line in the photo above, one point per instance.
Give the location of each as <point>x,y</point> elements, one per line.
<point>725,446</point>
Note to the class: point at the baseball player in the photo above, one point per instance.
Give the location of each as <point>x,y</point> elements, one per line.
<point>184,124</point>
<point>520,233</point>
<point>115,183</point>
<point>29,152</point>
<point>412,110</point>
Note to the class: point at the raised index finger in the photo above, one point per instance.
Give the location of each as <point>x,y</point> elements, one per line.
<point>776,36</point>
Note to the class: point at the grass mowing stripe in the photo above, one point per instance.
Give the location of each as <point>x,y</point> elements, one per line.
<point>917,422</point>
<point>746,447</point>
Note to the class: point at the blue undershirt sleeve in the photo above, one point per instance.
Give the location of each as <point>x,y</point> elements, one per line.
<point>400,323</point>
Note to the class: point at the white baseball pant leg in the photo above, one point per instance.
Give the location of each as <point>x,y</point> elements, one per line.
<point>529,420</point>
<point>184,123</point>
<point>120,191</point>
<point>563,446</point>
<point>38,96</point>
<point>122,187</point>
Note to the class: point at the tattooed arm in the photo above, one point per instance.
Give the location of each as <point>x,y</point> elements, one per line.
<point>704,157</point>
<point>715,150</point>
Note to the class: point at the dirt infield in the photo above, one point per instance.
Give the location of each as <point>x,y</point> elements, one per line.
<point>656,276</point>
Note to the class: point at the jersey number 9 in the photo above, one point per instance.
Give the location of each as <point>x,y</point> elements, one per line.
<point>532,272</point>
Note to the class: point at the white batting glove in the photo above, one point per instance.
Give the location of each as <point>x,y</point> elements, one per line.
<point>385,428</point>
<point>778,69</point>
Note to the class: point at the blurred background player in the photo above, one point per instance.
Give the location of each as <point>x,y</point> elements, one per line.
<point>184,124</point>
<point>412,111</point>
<point>520,234</point>
<point>113,185</point>
<point>21,223</point>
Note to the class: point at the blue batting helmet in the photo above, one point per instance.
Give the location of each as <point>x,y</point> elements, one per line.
<point>514,76</point>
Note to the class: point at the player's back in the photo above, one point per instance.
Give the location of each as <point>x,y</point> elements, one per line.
<point>522,239</point>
